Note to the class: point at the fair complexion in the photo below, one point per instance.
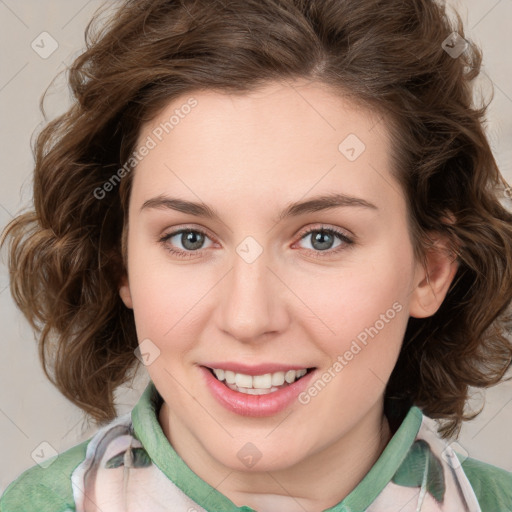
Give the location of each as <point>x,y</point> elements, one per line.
<point>301,302</point>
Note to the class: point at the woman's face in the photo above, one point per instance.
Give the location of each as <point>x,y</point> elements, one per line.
<point>253,285</point>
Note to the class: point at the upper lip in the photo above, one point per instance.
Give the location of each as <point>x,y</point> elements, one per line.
<point>258,369</point>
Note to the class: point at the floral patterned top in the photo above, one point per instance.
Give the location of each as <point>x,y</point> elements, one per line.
<point>129,465</point>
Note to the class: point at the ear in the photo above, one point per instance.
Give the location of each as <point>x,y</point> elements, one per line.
<point>433,278</point>
<point>124,292</point>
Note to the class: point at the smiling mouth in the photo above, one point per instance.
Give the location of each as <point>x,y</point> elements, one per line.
<point>258,384</point>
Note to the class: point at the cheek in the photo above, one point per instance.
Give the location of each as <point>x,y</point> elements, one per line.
<point>368,290</point>
<point>165,304</point>
<point>162,294</point>
<point>367,314</point>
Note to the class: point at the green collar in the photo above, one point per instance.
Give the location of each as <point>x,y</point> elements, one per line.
<point>149,432</point>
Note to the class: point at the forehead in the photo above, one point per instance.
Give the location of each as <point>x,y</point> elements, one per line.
<point>314,109</point>
<point>288,137</point>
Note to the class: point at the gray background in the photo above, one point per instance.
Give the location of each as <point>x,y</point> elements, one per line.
<point>32,411</point>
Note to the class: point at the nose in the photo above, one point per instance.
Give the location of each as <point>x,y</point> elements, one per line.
<point>253,301</point>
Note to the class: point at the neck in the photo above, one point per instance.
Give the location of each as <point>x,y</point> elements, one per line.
<point>317,482</point>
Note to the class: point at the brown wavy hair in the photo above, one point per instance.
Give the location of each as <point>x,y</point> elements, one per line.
<point>66,255</point>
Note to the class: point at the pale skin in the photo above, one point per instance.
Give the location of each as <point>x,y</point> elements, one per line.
<point>249,157</point>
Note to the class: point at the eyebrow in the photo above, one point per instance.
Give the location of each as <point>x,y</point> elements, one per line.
<point>314,204</point>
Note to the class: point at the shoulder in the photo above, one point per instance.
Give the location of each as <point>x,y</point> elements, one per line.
<point>48,488</point>
<point>492,485</point>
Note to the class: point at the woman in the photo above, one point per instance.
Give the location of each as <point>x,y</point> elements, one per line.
<point>289,212</point>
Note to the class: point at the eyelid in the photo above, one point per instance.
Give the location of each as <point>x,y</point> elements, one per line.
<point>174,230</point>
<point>324,227</point>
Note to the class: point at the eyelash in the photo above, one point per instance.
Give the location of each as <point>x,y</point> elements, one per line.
<point>346,241</point>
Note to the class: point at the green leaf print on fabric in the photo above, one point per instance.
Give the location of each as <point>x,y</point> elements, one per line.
<point>421,468</point>
<point>139,459</point>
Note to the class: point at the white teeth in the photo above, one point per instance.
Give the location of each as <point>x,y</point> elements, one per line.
<point>243,381</point>
<point>251,391</point>
<point>252,384</point>
<point>229,376</point>
<point>289,376</point>
<point>278,379</point>
<point>262,381</point>
<point>219,374</point>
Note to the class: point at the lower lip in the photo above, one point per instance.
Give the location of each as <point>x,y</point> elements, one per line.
<point>255,405</point>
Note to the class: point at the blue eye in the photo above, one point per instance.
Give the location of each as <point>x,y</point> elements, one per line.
<point>322,240</point>
<point>193,240</point>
